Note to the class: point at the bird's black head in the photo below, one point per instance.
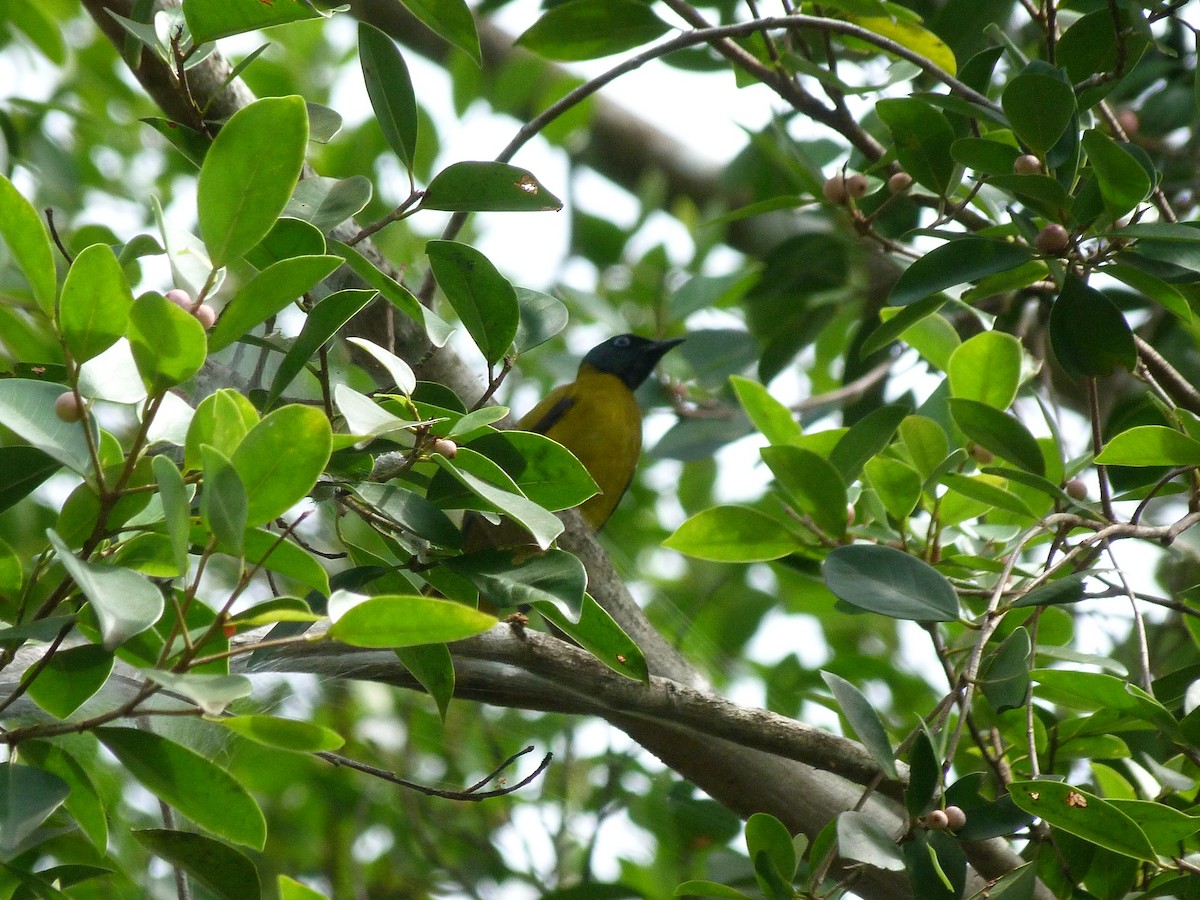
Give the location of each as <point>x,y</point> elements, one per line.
<point>629,357</point>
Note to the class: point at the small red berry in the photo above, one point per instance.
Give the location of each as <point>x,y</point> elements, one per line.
<point>206,315</point>
<point>182,299</point>
<point>937,820</point>
<point>1053,239</point>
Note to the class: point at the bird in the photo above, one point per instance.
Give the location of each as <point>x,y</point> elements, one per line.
<point>597,418</point>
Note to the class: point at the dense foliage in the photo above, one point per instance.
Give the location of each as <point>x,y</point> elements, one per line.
<point>941,347</point>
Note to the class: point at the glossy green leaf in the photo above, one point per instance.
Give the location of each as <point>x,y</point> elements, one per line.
<point>94,307</point>
<point>811,484</point>
<point>211,692</point>
<point>487,187</point>
<point>861,837</point>
<point>227,872</point>
<point>866,437</point>
<point>433,667</point>
<point>509,581</point>
<point>182,778</point>
<point>483,298</point>
<point>411,511</point>
<point>776,422</point>
<point>249,173</point>
<point>987,368</point>
<point>70,678</point>
<point>168,343</point>
<point>897,484</point>
<point>278,609</point>
<point>27,409</point>
<point>176,508</point>
<point>390,89</point>
<point>1098,690</point>
<point>542,317</point>
<point>266,294</point>
<point>401,373</point>
<point>450,19</point>
<point>924,775</point>
<point>1166,295</point>
<point>323,321</point>
<point>27,798</point>
<point>542,525</point>
<point>1123,182</point>
<point>1039,107</point>
<point>1150,445</point>
<point>1084,815</point>
<point>590,29</point>
<point>999,432</point>
<point>989,490</point>
<point>1005,676</point>
<point>83,803</point>
<point>1069,589</point>
<point>909,316</point>
<point>768,841</point>
<point>732,534</point>
<point>290,889</point>
<point>284,734</point>
<point>544,471</point>
<point>923,137</point>
<point>395,620</point>
<point>599,634</point>
<point>1163,825</point>
<point>1095,44</point>
<point>985,156</point>
<point>281,458</point>
<point>125,602</point>
<point>1089,334</point>
<point>208,21</point>
<point>864,720</point>
<point>932,336</point>
<point>22,470</point>
<point>326,203</point>
<point>956,262</point>
<point>222,420</point>
<point>23,232</point>
<point>223,501</point>
<point>890,582</point>
<point>909,34</point>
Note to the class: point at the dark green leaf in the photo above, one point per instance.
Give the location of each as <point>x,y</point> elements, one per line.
<point>201,790</point>
<point>542,525</point>
<point>1063,590</point>
<point>23,232</point>
<point>956,262</point>
<point>223,501</point>
<point>452,20</point>
<point>599,634</point>
<point>897,484</point>
<point>226,872</point>
<point>281,458</point>
<point>328,202</point>
<point>70,677</point>
<point>1150,445</point>
<point>433,667</point>
<point>22,469</point>
<point>1005,676</point>
<point>542,317</point>
<point>923,137</point>
<point>487,187</point>
<point>890,582</point>
<point>589,29</point>
<point>412,512</point>
<point>868,436</point>
<point>985,156</point>
<point>483,298</point>
<point>1089,334</point>
<point>208,21</point>
<point>284,734</point>
<point>509,581</point>
<point>1039,107</point>
<point>811,484</point>
<point>862,838</point>
<point>94,307</point>
<point>769,842</point>
<point>864,720</point>
<point>27,798</point>
<point>391,91</point>
<point>1084,815</point>
<point>998,432</point>
<point>1123,182</point>
<point>924,775</point>
<point>323,321</point>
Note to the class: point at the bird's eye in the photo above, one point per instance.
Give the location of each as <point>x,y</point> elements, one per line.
<point>622,341</point>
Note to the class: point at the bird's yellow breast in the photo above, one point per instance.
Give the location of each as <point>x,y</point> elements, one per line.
<point>597,418</point>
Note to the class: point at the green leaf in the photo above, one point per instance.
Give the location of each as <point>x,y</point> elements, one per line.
<point>22,230</point>
<point>284,734</point>
<point>69,678</point>
<point>182,778</point>
<point>776,422</point>
<point>542,317</point>
<point>223,501</point>
<point>861,837</point>
<point>544,470</point>
<point>400,372</point>
<point>811,484</point>
<point>209,21</point>
<point>1084,815</point>
<point>390,89</point>
<point>450,19</point>
<point>932,336</point>
<point>1150,445</point>
<point>864,720</point>
<point>709,889</point>
<point>1166,295</point>
<point>543,526</point>
<point>899,324</point>
<point>890,582</point>
<point>396,620</point>
<point>290,889</point>
<point>767,836</point>
<point>483,298</point>
<point>590,29</point>
<point>909,34</point>
<point>1097,690</point>
<point>222,420</point>
<point>986,156</point>
<point>176,508</point>
<point>866,437</point>
<point>281,458</point>
<point>509,580</point>
<point>266,294</point>
<point>1069,589</point>
<point>1123,182</point>
<point>226,872</point>
<point>487,187</point>
<point>989,490</point>
<point>94,307</point>
<point>923,137</point>
<point>599,634</point>
<point>248,175</point>
<point>924,775</point>
<point>1005,677</point>
<point>987,368</point>
<point>956,262</point>
<point>27,409</point>
<point>1163,825</point>
<point>27,798</point>
<point>83,803</point>
<point>22,470</point>
<point>1089,334</point>
<point>168,343</point>
<point>897,484</point>
<point>998,432</point>
<point>326,203</point>
<point>209,691</point>
<point>323,321</point>
<point>125,602</point>
<point>412,512</point>
<point>732,534</point>
<point>433,667</point>
<point>1039,107</point>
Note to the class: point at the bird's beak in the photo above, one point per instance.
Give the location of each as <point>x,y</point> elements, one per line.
<point>659,349</point>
